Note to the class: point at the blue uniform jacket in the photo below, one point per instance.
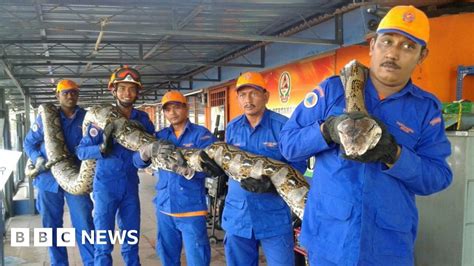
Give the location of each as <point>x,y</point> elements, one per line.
<point>266,214</point>
<point>34,145</point>
<point>115,172</point>
<point>176,194</point>
<point>366,213</point>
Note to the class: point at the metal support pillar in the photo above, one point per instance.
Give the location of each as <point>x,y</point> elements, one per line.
<point>5,192</point>
<point>463,71</point>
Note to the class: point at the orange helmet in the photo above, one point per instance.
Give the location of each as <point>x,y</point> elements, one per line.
<point>408,21</point>
<point>66,84</point>
<point>125,74</point>
<point>251,79</point>
<point>173,96</point>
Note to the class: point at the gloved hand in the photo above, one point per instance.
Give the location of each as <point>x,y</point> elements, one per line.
<point>164,148</point>
<point>159,148</point>
<point>386,150</point>
<point>263,185</point>
<point>329,128</point>
<point>107,144</point>
<point>40,164</point>
<point>209,166</point>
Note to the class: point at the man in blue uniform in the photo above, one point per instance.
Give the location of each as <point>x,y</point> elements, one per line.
<point>116,180</point>
<point>180,201</point>
<point>50,201</point>
<point>361,210</point>
<point>251,219</point>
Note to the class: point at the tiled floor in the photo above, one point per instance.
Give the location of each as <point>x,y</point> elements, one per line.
<point>39,255</point>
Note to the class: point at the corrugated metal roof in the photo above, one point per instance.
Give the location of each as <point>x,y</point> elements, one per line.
<point>43,41</point>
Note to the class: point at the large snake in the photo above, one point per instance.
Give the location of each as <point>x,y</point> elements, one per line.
<point>357,136</point>
<point>362,134</point>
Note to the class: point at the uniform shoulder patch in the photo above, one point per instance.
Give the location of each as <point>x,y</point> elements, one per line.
<point>310,100</point>
<point>93,132</point>
<point>34,127</point>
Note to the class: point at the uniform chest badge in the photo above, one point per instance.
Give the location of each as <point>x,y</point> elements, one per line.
<point>270,144</point>
<point>205,137</point>
<point>310,100</point>
<point>188,145</point>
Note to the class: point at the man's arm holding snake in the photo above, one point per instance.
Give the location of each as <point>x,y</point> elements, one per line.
<point>33,140</point>
<point>301,136</point>
<point>89,147</point>
<point>203,141</point>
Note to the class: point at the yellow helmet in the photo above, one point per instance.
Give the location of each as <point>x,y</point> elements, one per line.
<point>251,79</point>
<point>125,74</point>
<point>408,21</point>
<point>173,96</point>
<point>66,84</point>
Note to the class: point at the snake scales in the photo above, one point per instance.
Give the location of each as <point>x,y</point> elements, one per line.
<point>289,183</point>
<point>357,135</point>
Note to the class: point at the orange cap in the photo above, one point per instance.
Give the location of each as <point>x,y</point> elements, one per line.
<point>408,21</point>
<point>251,79</point>
<point>66,84</point>
<point>173,97</point>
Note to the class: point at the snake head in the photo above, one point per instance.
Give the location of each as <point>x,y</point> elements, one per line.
<point>358,133</point>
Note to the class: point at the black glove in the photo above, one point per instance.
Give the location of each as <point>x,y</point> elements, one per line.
<point>107,143</point>
<point>209,166</point>
<point>165,148</point>
<point>40,164</point>
<point>159,148</point>
<point>263,185</point>
<point>330,132</point>
<point>385,151</point>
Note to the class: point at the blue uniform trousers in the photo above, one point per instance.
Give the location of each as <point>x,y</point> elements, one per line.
<point>50,205</point>
<point>126,207</point>
<point>173,231</point>
<point>243,251</point>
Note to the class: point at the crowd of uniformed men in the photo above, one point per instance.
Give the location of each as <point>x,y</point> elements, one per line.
<point>360,210</point>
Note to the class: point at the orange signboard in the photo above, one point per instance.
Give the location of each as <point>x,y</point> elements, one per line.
<point>289,84</point>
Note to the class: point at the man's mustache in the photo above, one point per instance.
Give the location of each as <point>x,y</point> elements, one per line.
<point>390,64</point>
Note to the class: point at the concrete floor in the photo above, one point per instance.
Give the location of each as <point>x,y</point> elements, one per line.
<point>39,255</point>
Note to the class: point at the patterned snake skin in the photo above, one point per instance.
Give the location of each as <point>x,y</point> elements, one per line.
<point>238,164</point>
<point>359,135</point>
<point>79,180</point>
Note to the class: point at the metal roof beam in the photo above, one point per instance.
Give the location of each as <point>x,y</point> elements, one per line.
<point>200,34</point>
<point>12,77</point>
<point>132,61</point>
<point>178,26</point>
<point>105,41</point>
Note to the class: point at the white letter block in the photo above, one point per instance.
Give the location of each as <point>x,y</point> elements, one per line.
<point>43,237</point>
<point>66,237</point>
<point>20,237</point>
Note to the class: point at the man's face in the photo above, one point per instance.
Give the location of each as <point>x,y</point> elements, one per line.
<point>68,98</point>
<point>126,93</point>
<point>393,58</point>
<point>252,101</point>
<point>176,113</point>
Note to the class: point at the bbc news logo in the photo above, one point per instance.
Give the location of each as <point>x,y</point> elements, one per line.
<point>66,237</point>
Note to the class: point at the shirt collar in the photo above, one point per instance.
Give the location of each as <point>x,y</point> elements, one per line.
<point>409,88</point>
<point>264,122</point>
<point>134,114</point>
<point>186,127</point>
<point>63,116</point>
